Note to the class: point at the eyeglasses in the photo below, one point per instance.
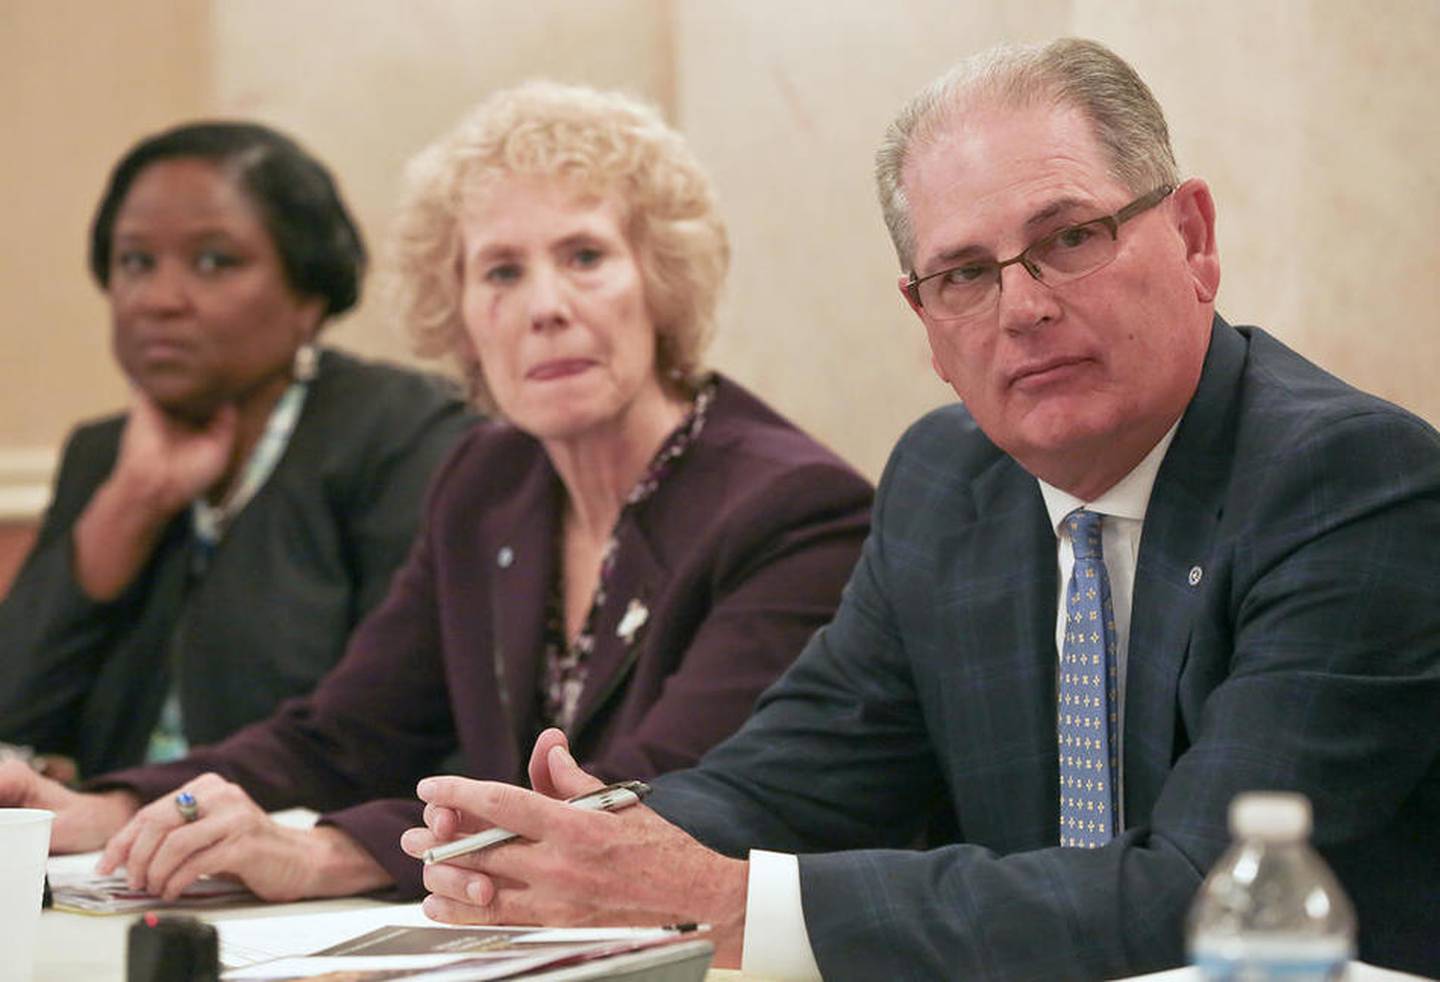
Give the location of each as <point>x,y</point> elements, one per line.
<point>1064,255</point>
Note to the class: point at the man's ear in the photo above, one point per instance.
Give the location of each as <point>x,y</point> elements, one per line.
<point>903,282</point>
<point>1195,210</point>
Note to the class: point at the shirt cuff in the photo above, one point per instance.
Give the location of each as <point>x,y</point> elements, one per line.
<point>777,945</point>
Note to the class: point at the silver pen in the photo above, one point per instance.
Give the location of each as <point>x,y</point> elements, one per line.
<point>610,798</point>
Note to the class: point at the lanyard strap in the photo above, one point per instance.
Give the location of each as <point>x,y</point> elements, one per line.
<point>211,521</point>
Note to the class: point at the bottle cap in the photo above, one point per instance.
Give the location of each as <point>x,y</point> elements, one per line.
<point>1279,816</point>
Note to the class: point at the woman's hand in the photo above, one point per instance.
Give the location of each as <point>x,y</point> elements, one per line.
<point>82,821</point>
<point>164,463</point>
<point>163,854</point>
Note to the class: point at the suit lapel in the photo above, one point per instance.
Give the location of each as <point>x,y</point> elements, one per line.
<point>631,593</point>
<point>634,587</point>
<point>525,529</point>
<point>1017,623</point>
<point>1175,553</point>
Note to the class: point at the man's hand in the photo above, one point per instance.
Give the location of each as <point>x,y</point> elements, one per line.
<point>163,854</point>
<point>628,867</point>
<point>82,821</point>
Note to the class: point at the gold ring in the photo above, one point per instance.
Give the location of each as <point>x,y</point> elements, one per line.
<point>187,806</point>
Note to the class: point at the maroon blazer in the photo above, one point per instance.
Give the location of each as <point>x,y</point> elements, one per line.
<point>738,557</point>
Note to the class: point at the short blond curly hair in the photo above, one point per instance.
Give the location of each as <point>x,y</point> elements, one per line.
<point>601,142</point>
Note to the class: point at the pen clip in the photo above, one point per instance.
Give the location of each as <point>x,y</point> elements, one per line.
<point>638,788</point>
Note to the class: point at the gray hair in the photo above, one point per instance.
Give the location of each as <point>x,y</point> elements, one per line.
<point>1127,121</point>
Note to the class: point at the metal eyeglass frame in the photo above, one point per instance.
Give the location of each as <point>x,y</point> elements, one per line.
<point>1111,223</point>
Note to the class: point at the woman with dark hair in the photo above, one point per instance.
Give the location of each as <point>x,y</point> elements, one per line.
<point>207,553</point>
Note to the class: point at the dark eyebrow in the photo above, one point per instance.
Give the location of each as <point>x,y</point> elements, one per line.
<point>202,233</point>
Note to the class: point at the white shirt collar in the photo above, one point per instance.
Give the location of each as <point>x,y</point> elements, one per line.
<point>1129,498</point>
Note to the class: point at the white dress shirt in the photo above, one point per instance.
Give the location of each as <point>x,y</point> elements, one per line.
<point>777,946</point>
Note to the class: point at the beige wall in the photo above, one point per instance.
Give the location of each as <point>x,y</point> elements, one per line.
<point>1313,121</point>
<point>366,83</point>
<point>786,103</point>
<point>1318,128</point>
<point>77,81</point>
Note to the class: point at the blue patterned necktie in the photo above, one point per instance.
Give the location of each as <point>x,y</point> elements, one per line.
<point>1087,723</point>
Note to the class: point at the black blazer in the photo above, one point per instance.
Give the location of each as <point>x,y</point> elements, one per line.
<point>1286,635</point>
<point>304,560</point>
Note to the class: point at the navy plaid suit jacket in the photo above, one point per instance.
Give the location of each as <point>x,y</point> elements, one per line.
<point>1306,657</point>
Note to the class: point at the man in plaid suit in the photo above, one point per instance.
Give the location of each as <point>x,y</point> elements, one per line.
<point>1272,617</point>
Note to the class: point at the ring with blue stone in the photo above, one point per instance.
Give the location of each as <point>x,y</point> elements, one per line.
<point>187,806</point>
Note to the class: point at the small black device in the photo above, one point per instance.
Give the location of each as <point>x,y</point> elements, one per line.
<point>172,948</point>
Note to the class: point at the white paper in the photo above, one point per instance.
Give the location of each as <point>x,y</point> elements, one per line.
<point>557,935</point>
<point>257,939</point>
<point>289,968</point>
<point>277,947</point>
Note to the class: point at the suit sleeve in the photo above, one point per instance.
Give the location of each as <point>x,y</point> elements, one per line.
<point>380,717</point>
<point>848,697</point>
<point>385,500</point>
<point>781,560</point>
<point>54,638</point>
<point>1330,685</point>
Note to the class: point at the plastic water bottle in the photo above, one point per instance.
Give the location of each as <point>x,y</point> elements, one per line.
<point>1271,909</point>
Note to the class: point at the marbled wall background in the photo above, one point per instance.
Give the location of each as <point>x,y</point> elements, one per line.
<point>1315,122</point>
